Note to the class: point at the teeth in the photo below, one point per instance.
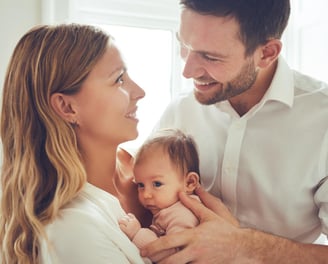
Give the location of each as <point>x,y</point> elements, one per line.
<point>202,83</point>
<point>132,115</point>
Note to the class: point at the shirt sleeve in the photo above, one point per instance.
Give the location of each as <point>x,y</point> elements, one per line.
<point>180,218</point>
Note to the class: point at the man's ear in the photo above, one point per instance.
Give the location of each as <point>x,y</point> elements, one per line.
<point>269,52</point>
<point>191,182</point>
<point>62,104</point>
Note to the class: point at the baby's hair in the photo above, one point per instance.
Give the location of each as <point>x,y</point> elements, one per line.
<point>180,147</point>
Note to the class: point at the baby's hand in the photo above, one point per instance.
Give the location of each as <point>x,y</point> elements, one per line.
<point>130,225</point>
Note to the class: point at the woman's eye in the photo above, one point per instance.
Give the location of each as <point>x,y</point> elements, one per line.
<point>119,79</point>
<point>157,184</point>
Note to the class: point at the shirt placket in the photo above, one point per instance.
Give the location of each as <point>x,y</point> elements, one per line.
<point>230,163</point>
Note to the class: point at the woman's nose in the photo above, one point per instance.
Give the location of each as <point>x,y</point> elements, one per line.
<point>137,92</point>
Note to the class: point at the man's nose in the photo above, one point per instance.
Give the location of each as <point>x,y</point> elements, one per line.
<point>192,67</point>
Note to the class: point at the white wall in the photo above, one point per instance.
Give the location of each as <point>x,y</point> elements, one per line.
<point>16,17</point>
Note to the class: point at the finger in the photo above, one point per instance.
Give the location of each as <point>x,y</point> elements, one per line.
<point>125,218</point>
<point>131,216</point>
<point>122,221</point>
<point>209,200</point>
<point>166,242</point>
<point>216,205</point>
<point>182,256</point>
<point>201,212</point>
<point>122,226</point>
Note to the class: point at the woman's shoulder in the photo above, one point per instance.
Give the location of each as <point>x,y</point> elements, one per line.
<point>92,203</point>
<point>86,230</point>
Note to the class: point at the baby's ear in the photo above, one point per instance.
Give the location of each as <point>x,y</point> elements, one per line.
<point>191,182</point>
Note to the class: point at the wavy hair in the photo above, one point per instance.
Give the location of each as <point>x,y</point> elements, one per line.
<point>42,167</point>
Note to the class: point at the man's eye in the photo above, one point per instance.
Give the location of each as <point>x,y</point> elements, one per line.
<point>210,58</point>
<point>157,184</point>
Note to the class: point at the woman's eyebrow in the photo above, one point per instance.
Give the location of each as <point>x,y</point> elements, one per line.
<point>120,69</point>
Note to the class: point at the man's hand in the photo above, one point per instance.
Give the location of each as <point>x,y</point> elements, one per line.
<point>219,239</point>
<point>215,234</point>
<point>211,202</point>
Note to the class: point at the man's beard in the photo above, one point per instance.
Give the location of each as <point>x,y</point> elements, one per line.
<point>244,81</point>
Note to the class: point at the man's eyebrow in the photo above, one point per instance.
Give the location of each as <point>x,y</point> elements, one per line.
<point>202,52</point>
<point>211,54</point>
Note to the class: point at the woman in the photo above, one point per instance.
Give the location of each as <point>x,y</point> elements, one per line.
<point>68,103</point>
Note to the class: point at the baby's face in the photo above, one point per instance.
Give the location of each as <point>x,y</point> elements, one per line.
<point>159,182</point>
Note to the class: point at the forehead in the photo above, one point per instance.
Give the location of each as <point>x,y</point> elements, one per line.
<point>110,62</point>
<point>152,152</point>
<point>201,32</point>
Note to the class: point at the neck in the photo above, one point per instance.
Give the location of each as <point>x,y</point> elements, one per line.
<point>110,169</point>
<point>100,165</point>
<point>244,102</point>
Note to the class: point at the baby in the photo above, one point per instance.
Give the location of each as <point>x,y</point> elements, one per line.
<point>165,165</point>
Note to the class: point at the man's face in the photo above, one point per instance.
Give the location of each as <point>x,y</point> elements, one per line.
<point>214,57</point>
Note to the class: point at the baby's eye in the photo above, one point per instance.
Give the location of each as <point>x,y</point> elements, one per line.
<point>157,184</point>
<point>140,185</point>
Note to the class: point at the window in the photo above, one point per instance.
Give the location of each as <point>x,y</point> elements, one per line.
<point>148,55</point>
<point>306,38</point>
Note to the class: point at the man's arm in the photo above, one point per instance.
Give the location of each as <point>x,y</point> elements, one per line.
<point>219,239</point>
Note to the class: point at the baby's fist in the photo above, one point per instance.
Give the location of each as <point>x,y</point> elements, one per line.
<point>130,225</point>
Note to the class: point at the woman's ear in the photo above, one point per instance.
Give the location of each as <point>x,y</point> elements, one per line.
<point>269,52</point>
<point>191,182</point>
<point>62,104</point>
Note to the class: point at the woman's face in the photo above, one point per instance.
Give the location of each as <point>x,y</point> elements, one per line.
<point>106,105</point>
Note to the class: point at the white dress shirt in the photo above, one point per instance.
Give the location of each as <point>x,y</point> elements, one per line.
<point>87,232</point>
<point>269,166</point>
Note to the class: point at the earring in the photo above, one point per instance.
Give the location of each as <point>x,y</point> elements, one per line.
<point>74,123</point>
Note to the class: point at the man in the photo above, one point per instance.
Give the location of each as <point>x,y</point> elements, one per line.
<point>262,133</point>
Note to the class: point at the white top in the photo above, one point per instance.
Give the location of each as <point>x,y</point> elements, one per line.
<point>269,166</point>
<point>87,232</point>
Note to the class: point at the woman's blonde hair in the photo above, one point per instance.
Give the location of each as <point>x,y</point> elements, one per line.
<point>42,168</point>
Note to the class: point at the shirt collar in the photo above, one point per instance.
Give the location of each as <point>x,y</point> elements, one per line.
<point>281,88</point>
